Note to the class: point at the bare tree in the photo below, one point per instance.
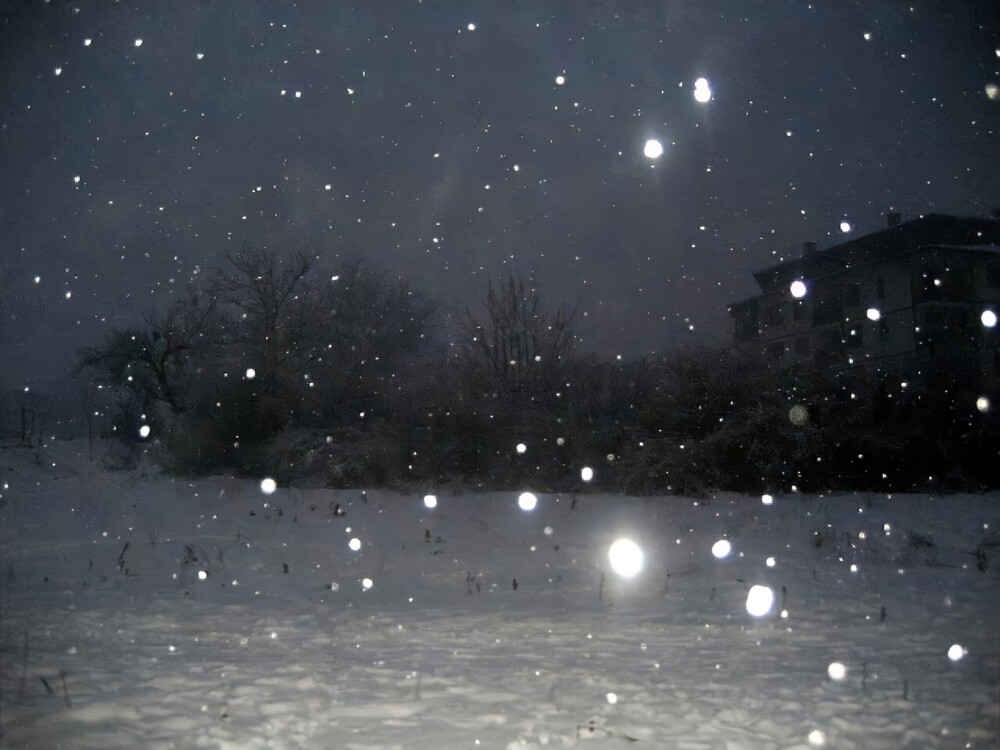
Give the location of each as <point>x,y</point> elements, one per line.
<point>518,346</point>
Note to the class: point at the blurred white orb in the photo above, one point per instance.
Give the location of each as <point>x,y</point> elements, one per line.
<point>521,448</point>
<point>202,575</point>
<point>547,531</point>
<point>988,318</point>
<point>268,485</point>
<point>817,738</point>
<point>845,227</point>
<point>760,599</point>
<point>956,652</point>
<point>798,289</point>
<point>873,313</point>
<point>837,671</point>
<point>626,558</point>
<point>144,431</point>
<point>766,499</point>
<point>251,373</point>
<point>983,403</point>
<point>798,415</point>
<point>653,149</point>
<point>527,501</point>
<point>612,698</point>
<point>586,473</point>
<point>430,501</point>
<point>721,549</point>
<point>702,91</point>
<point>354,544</point>
<point>367,583</point>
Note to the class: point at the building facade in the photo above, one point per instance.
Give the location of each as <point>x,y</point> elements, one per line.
<point>910,297</point>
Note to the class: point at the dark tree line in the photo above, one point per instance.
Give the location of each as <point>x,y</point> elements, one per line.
<point>274,365</point>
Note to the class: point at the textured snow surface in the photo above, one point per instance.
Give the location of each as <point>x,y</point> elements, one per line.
<point>130,647</point>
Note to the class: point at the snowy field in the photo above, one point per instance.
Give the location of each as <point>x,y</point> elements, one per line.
<point>140,610</point>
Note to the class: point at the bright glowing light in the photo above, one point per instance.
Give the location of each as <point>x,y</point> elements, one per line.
<point>354,544</point>
<point>983,404</point>
<point>251,373</point>
<point>560,80</point>
<point>138,42</point>
<point>626,558</point>
<point>769,562</point>
<point>547,531</point>
<point>202,575</point>
<point>798,289</point>
<point>760,599</point>
<point>268,485</point>
<point>471,27</point>
<point>612,698</point>
<point>653,149</point>
<point>430,501</point>
<point>144,431</point>
<point>586,473</point>
<point>702,91</point>
<point>956,652</point>
<point>845,226</point>
<point>798,415</point>
<point>766,499</point>
<point>367,583</point>
<point>873,313</point>
<point>527,501</point>
<point>521,448</point>
<point>721,549</point>
<point>817,738</point>
<point>837,671</point>
<point>989,318</point>
<point>992,91</point>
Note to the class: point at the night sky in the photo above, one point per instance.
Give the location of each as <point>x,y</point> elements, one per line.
<point>451,141</point>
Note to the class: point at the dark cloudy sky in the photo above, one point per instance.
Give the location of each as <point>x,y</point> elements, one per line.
<point>444,152</point>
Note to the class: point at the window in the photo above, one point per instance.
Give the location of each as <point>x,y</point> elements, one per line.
<point>827,307</point>
<point>747,327</point>
<point>852,295</point>
<point>799,311</point>
<point>853,336</point>
<point>773,315</point>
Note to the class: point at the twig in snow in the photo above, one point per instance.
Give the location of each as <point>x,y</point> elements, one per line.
<point>62,676</point>
<point>121,559</point>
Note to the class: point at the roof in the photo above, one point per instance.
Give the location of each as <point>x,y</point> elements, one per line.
<point>933,230</point>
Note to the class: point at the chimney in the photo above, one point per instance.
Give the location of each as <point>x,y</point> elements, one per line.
<point>808,248</point>
<point>893,219</point>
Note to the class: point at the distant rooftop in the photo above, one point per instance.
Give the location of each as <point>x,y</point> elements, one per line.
<point>932,230</point>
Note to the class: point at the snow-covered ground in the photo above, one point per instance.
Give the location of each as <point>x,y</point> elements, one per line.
<point>112,637</point>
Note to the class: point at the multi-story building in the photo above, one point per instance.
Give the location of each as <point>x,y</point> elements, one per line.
<point>916,296</point>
